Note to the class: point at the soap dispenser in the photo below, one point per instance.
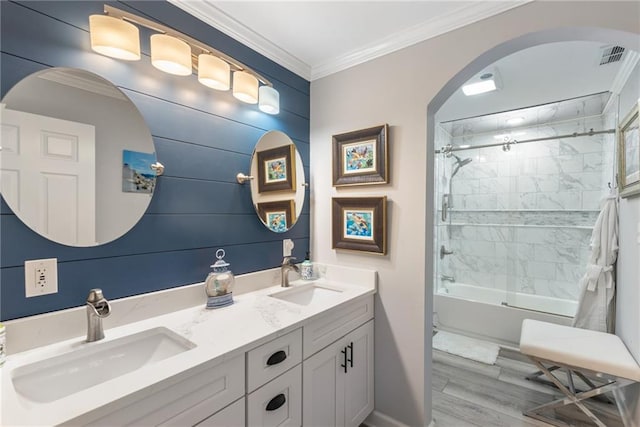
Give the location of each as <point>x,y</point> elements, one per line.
<point>219,283</point>
<point>306,269</point>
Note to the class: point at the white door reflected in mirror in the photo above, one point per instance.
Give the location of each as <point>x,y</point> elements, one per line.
<point>64,132</point>
<point>278,184</point>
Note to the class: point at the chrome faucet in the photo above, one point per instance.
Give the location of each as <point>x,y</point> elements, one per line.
<point>285,268</point>
<point>97,308</point>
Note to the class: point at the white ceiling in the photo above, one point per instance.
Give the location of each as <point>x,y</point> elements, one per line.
<point>542,74</point>
<point>317,38</point>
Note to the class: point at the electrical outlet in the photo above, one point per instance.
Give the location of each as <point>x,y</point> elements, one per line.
<point>287,247</point>
<point>41,277</point>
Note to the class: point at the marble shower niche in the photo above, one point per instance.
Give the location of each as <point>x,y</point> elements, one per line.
<point>520,221</point>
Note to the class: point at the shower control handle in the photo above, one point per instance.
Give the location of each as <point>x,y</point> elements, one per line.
<point>444,252</point>
<point>445,206</point>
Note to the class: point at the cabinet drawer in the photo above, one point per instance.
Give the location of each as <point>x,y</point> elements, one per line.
<point>334,324</point>
<point>231,416</point>
<point>185,399</point>
<point>266,362</point>
<point>278,403</point>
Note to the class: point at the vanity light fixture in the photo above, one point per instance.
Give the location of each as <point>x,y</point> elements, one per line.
<point>171,55</point>
<point>213,72</point>
<point>177,53</point>
<point>245,87</point>
<point>114,37</point>
<point>269,100</point>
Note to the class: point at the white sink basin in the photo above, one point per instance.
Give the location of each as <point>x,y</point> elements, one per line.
<point>307,294</point>
<point>95,363</point>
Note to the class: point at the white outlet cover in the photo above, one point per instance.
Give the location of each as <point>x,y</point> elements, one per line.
<point>50,266</point>
<point>287,247</point>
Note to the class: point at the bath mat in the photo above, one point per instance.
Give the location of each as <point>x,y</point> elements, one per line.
<point>469,348</point>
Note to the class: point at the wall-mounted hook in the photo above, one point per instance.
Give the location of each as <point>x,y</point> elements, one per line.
<point>242,178</point>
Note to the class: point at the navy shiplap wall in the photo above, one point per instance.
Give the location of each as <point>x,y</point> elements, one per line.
<point>203,137</point>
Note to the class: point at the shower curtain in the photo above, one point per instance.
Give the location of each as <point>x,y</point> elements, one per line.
<point>596,306</point>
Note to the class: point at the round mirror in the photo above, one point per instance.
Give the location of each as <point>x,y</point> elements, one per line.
<point>76,157</point>
<point>277,190</point>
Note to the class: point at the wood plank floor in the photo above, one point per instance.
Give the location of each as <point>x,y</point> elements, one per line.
<point>469,393</point>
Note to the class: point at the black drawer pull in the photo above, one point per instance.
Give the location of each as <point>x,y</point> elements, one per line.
<point>344,365</point>
<point>350,360</point>
<point>277,357</point>
<point>276,402</point>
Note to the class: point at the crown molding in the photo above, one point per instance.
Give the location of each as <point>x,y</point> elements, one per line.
<point>215,17</point>
<point>457,18</point>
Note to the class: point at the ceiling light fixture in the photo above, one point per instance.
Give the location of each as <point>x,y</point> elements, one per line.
<point>479,87</point>
<point>515,121</point>
<point>115,35</point>
<point>486,82</point>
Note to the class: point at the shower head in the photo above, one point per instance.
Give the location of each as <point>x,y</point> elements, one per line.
<point>459,164</point>
<point>462,162</point>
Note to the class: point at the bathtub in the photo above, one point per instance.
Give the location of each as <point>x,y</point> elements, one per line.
<point>482,312</point>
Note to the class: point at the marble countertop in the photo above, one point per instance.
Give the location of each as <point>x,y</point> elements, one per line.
<point>220,334</point>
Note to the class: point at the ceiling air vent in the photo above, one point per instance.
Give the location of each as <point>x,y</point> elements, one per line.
<point>611,54</point>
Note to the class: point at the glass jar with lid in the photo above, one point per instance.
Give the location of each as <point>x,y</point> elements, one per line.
<point>219,283</point>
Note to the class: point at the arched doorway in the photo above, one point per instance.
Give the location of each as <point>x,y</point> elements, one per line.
<point>627,40</point>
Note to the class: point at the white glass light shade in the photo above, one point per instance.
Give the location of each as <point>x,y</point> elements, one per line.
<point>245,87</point>
<point>479,87</point>
<point>170,55</point>
<point>213,72</point>
<point>114,37</point>
<point>269,101</point>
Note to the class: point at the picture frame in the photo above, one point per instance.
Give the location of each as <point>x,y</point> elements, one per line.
<point>359,224</point>
<point>278,216</point>
<point>277,169</point>
<point>629,153</point>
<point>137,174</point>
<point>361,157</point>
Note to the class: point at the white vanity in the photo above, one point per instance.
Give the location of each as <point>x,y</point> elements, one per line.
<point>277,357</point>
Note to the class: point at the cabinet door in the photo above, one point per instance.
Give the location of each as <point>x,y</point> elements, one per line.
<point>231,416</point>
<point>358,399</point>
<point>323,387</point>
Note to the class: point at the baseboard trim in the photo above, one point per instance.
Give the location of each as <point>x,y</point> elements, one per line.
<point>378,419</point>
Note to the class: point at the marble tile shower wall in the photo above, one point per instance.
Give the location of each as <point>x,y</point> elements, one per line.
<point>522,220</point>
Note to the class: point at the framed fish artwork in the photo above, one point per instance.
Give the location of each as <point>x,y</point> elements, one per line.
<point>278,216</point>
<point>360,157</point>
<point>359,224</point>
<point>276,169</point>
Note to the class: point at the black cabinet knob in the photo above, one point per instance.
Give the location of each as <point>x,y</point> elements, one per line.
<point>276,402</point>
<point>277,357</point>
